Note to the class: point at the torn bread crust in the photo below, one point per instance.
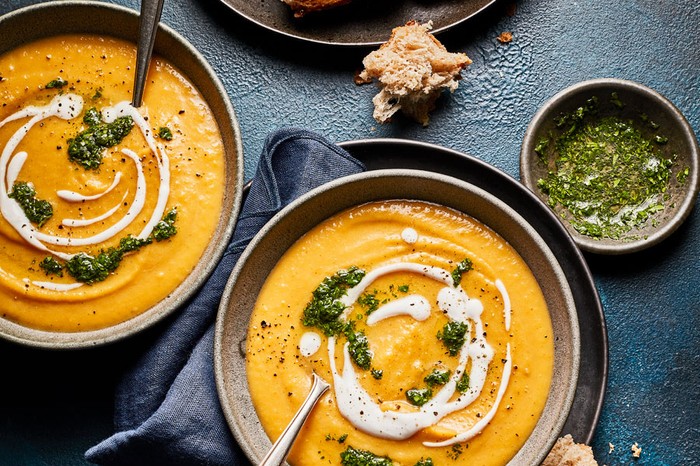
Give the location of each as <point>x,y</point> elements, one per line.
<point>568,453</point>
<point>412,68</point>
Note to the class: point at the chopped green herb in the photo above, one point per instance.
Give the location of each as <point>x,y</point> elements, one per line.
<point>615,100</point>
<point>356,457</point>
<point>570,122</point>
<point>541,146</point>
<point>403,288</point>
<point>608,178</point>
<point>437,377</point>
<point>425,462</point>
<point>419,396</point>
<point>340,439</point>
<point>377,373</point>
<point>51,266</point>
<point>452,336</point>
<point>131,243</point>
<point>463,383</point>
<point>87,147</point>
<point>57,83</point>
<point>165,133</point>
<point>324,309</point>
<point>369,302</point>
<point>464,266</point>
<point>87,269</point>
<point>38,211</point>
<point>358,348</point>
<point>90,270</point>
<point>92,117</point>
<point>683,175</point>
<point>456,451</point>
<point>660,139</point>
<point>97,94</point>
<point>165,228</point>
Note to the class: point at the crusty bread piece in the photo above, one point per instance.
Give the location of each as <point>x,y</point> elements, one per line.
<point>568,453</point>
<point>302,7</point>
<point>413,68</point>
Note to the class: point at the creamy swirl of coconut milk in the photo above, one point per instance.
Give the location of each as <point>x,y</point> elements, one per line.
<point>69,106</point>
<point>363,412</point>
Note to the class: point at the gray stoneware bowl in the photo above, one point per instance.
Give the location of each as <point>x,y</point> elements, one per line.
<point>641,105</point>
<point>73,17</point>
<point>294,221</point>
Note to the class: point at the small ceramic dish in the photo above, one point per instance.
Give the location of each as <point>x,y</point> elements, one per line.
<point>656,119</point>
<point>293,222</point>
<point>51,19</point>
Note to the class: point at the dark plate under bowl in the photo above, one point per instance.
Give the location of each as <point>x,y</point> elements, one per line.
<point>360,23</point>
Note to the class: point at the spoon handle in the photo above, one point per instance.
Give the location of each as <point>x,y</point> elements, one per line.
<point>280,449</point>
<point>148,25</point>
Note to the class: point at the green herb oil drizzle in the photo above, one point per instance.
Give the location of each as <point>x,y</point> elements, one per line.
<point>38,211</point>
<point>87,147</point>
<point>607,176</point>
<point>89,269</point>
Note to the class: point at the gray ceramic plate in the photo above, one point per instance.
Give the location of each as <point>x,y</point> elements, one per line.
<point>641,105</point>
<point>358,23</point>
<point>67,17</point>
<point>292,222</point>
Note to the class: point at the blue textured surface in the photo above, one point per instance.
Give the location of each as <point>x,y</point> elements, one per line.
<point>651,299</point>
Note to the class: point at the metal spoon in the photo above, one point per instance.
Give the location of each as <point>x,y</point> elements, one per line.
<point>280,449</point>
<point>148,25</point>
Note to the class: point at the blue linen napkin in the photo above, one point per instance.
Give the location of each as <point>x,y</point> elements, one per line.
<point>167,409</point>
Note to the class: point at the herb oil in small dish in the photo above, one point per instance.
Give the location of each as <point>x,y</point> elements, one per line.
<point>616,160</point>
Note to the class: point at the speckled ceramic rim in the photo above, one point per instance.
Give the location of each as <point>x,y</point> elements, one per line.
<point>89,17</point>
<point>657,107</point>
<point>292,222</point>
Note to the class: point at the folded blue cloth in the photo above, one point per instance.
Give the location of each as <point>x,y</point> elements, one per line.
<point>167,408</point>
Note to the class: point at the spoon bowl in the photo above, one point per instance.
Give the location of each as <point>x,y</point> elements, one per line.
<point>280,449</point>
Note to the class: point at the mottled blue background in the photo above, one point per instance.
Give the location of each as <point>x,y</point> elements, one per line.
<point>53,406</point>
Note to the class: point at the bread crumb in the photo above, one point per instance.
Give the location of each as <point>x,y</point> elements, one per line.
<point>636,450</point>
<point>505,37</point>
<point>568,453</point>
<point>412,69</point>
<point>611,447</point>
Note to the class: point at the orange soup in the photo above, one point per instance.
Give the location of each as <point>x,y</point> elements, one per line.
<point>431,329</point>
<point>105,208</point>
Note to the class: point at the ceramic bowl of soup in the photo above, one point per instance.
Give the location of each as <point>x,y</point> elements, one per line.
<point>441,319</point>
<point>616,161</point>
<point>112,216</point>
